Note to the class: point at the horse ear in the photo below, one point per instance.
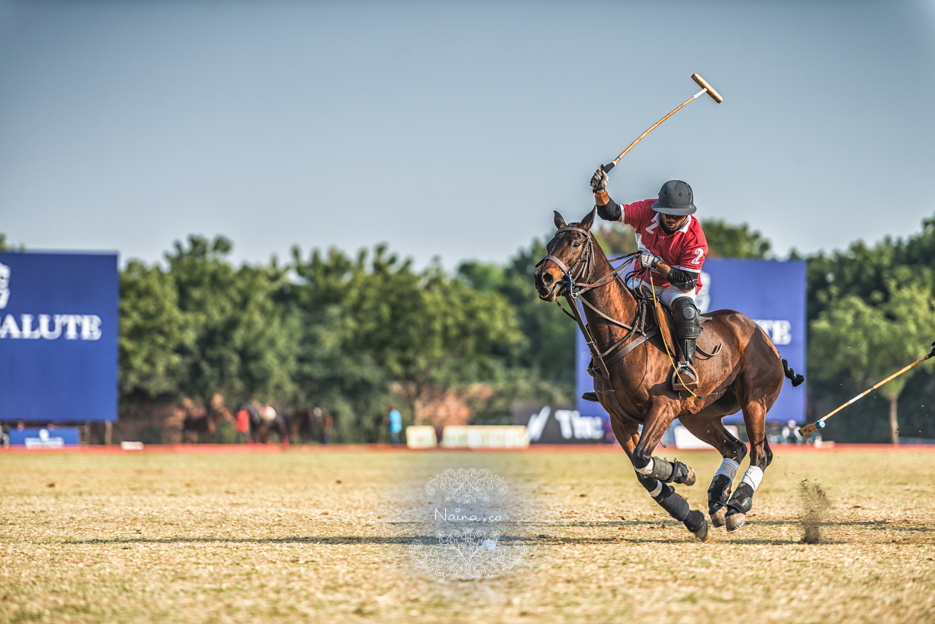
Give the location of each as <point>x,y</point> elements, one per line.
<point>559,221</point>
<point>588,221</point>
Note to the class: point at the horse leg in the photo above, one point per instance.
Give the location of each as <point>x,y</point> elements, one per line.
<point>627,435</point>
<point>731,449</point>
<point>655,473</point>
<point>754,419</point>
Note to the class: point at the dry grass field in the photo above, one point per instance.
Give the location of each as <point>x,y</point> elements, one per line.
<point>324,536</point>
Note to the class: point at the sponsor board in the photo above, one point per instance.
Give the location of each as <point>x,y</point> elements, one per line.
<point>58,336</point>
<point>484,436</point>
<point>421,437</point>
<point>44,438</point>
<point>561,425</point>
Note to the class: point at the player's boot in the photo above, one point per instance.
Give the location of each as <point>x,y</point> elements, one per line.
<point>687,329</point>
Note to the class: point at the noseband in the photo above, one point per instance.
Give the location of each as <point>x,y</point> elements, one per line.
<point>583,256</point>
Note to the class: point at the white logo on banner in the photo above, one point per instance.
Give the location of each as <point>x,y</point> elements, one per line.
<point>46,326</point>
<point>4,285</point>
<point>50,327</point>
<point>571,423</point>
<point>779,331</point>
<point>45,441</point>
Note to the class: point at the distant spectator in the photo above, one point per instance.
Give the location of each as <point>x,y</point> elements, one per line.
<point>396,424</point>
<point>243,426</point>
<point>327,424</point>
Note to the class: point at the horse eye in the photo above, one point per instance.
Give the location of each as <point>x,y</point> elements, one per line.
<point>575,245</point>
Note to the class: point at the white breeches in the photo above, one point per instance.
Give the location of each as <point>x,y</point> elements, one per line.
<point>666,295</point>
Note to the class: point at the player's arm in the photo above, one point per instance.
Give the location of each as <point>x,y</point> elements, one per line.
<point>682,277</point>
<point>685,276</point>
<point>607,208</point>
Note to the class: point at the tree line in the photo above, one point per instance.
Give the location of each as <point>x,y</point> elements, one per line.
<point>355,332</point>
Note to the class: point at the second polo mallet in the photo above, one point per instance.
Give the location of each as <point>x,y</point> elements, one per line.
<point>705,88</point>
<point>820,423</point>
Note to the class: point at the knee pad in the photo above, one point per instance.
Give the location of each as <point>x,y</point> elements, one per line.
<point>686,317</point>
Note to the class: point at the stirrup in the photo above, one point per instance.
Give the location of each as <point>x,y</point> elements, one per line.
<point>590,396</point>
<point>689,378</point>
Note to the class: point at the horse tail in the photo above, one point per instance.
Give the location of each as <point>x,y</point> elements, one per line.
<point>791,374</point>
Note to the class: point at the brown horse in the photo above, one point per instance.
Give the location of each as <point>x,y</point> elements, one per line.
<point>201,422</point>
<point>631,369</point>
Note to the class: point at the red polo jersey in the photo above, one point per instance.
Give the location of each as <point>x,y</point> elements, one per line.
<point>683,249</point>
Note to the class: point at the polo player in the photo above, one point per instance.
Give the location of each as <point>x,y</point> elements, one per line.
<point>673,247</point>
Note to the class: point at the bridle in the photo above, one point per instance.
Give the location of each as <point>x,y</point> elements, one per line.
<point>578,278</point>
<point>584,258</point>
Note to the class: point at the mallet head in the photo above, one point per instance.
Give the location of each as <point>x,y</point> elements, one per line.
<point>704,85</point>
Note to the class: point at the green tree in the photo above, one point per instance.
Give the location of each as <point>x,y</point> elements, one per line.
<point>6,246</point>
<point>548,348</point>
<point>616,240</point>
<point>867,342</point>
<point>154,334</point>
<point>734,241</point>
<point>374,322</point>
<point>244,344</point>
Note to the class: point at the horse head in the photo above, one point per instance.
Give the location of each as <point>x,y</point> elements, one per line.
<point>570,251</point>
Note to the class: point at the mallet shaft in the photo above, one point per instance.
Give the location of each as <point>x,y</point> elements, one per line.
<point>613,164</point>
<point>820,423</point>
<point>705,88</point>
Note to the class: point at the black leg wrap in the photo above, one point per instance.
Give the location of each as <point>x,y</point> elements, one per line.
<point>672,502</point>
<point>669,472</point>
<point>647,482</point>
<point>694,521</point>
<point>742,500</point>
<point>718,493</point>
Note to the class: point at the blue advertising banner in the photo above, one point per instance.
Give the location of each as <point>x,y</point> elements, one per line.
<point>58,437</point>
<point>58,337</point>
<point>772,293</point>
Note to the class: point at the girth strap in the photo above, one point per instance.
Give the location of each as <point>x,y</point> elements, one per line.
<point>619,355</point>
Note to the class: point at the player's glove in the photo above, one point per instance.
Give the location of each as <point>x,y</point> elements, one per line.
<point>599,181</point>
<point>649,260</point>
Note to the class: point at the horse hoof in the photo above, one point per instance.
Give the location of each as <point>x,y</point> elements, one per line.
<point>690,479</point>
<point>735,521</point>
<point>719,517</point>
<point>702,533</point>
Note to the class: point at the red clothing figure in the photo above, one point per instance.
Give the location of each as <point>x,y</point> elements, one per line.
<point>243,425</point>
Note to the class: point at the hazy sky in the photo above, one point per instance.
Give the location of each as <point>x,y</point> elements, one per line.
<point>453,129</point>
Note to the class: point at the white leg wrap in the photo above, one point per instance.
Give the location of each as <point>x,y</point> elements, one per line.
<point>728,468</point>
<point>647,469</point>
<point>753,476</point>
<point>658,489</point>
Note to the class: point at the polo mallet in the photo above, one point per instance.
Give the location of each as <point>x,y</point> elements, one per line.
<point>820,423</point>
<point>705,88</point>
